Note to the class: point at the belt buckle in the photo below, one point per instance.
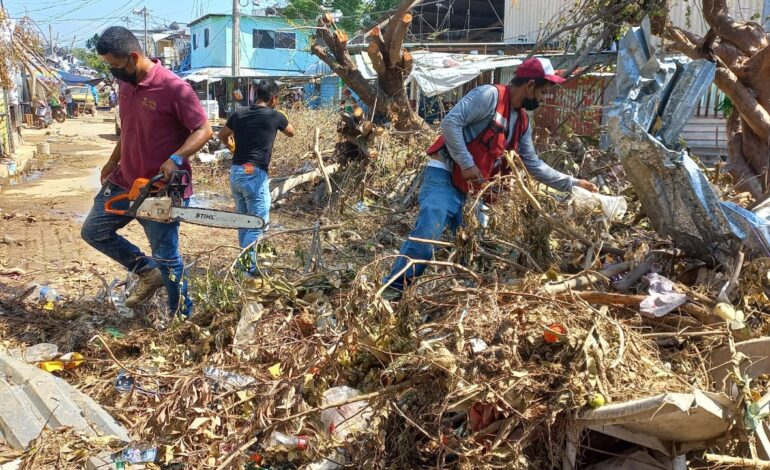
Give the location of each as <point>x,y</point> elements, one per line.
<point>248,168</point>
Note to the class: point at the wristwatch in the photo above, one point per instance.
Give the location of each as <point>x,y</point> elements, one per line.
<point>176,159</point>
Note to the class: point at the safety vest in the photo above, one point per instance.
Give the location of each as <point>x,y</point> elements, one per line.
<point>489,145</point>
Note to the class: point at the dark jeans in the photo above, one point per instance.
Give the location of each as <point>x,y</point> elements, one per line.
<point>100,231</point>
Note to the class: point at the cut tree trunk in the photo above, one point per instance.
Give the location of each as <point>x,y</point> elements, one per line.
<point>741,52</point>
<point>392,63</point>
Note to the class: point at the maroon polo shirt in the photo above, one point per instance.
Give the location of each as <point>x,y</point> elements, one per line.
<point>156,117</point>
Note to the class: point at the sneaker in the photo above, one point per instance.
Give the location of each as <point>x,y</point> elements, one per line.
<point>149,282</point>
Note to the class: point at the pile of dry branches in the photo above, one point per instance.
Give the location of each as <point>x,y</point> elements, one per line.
<point>484,363</point>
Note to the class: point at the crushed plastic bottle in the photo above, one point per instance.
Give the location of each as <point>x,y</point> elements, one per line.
<point>334,461</point>
<point>346,419</point>
<point>124,383</point>
<point>43,294</point>
<point>118,298</point>
<point>228,378</point>
<point>279,441</point>
<point>142,453</point>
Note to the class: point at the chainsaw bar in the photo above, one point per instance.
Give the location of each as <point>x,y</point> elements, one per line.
<point>215,218</point>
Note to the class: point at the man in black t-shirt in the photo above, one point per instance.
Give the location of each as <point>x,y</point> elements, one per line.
<point>254,129</point>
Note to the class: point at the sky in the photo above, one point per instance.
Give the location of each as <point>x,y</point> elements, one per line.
<point>81,19</point>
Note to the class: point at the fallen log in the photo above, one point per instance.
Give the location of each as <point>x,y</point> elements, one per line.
<point>284,187</point>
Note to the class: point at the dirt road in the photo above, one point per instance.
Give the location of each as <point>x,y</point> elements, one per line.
<point>40,219</point>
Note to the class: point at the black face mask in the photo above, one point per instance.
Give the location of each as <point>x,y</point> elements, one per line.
<point>123,75</point>
<point>530,104</point>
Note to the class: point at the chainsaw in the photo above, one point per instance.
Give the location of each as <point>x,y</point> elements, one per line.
<point>151,199</point>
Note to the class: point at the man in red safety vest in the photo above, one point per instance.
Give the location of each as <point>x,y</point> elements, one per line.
<point>484,124</point>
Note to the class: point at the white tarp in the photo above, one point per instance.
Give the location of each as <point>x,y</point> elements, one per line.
<point>439,72</point>
<point>214,74</point>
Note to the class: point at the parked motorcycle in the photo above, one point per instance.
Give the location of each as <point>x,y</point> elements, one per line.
<point>59,114</point>
<point>43,117</point>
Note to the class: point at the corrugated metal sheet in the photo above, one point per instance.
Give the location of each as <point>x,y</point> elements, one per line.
<point>528,20</point>
<point>688,14</point>
<point>330,91</point>
<point>576,104</point>
<point>505,75</point>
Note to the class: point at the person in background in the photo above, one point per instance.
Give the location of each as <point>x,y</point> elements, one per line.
<point>113,97</point>
<point>254,130</point>
<point>479,129</point>
<point>162,125</point>
<point>70,103</point>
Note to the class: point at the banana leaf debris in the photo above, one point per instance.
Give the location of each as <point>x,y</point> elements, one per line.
<point>525,344</point>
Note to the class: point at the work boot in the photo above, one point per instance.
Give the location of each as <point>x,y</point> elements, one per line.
<point>149,282</point>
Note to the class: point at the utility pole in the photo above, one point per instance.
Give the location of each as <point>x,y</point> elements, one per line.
<point>50,37</point>
<point>144,12</point>
<point>236,38</point>
<point>765,14</point>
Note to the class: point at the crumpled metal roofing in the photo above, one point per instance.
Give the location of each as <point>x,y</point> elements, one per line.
<point>655,100</point>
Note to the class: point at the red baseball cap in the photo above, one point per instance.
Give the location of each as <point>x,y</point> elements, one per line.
<point>535,67</point>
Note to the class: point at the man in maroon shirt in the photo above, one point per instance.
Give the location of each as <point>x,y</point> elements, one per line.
<point>162,125</point>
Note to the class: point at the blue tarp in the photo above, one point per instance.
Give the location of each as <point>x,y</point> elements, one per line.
<point>73,79</point>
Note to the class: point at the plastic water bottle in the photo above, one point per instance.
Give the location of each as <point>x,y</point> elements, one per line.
<point>44,294</point>
<point>48,294</point>
<point>281,441</point>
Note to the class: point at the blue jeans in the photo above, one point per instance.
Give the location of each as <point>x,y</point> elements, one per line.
<point>252,196</point>
<point>100,231</point>
<point>441,204</point>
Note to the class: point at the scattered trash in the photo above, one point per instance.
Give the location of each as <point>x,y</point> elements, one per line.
<point>662,298</point>
<point>246,334</point>
<point>279,441</point>
<point>36,353</point>
<point>65,362</point>
<point>480,211</point>
<point>114,332</point>
<point>137,454</point>
<point>43,294</point>
<point>334,461</point>
<point>346,419</point>
<point>584,201</point>
<point>361,207</point>
<point>118,299</point>
<point>230,379</point>
<point>124,383</point>
<point>477,345</point>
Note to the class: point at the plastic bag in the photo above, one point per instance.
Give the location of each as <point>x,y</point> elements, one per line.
<point>346,419</point>
<point>662,298</point>
<point>613,207</point>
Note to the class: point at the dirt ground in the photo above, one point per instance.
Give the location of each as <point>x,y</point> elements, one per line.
<point>41,218</point>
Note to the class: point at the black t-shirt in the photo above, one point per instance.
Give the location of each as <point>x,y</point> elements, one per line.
<point>255,128</point>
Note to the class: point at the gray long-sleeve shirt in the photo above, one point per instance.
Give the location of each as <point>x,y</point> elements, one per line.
<point>472,114</point>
